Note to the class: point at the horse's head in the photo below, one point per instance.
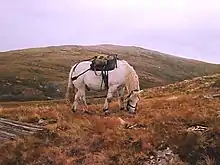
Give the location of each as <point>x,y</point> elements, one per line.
<point>132,100</point>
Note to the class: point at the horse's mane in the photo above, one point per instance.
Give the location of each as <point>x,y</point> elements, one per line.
<point>132,79</point>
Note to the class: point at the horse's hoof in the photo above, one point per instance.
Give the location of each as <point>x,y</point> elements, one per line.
<point>73,110</point>
<point>106,111</point>
<point>87,112</point>
<point>132,112</point>
<point>122,108</point>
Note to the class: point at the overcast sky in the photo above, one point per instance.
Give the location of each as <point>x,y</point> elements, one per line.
<point>187,28</point>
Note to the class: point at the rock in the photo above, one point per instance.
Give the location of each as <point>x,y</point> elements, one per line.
<point>161,154</point>
<point>197,128</point>
<point>216,95</point>
<point>172,98</point>
<point>218,114</point>
<point>41,121</point>
<point>208,97</point>
<point>122,121</point>
<point>135,126</point>
<point>207,84</point>
<point>8,84</point>
<point>46,121</point>
<point>49,98</point>
<point>212,96</point>
<point>163,157</point>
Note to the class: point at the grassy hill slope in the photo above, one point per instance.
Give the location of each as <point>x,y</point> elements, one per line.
<point>179,116</point>
<point>42,73</point>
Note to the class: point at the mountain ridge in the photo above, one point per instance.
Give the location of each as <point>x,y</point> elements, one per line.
<point>97,46</point>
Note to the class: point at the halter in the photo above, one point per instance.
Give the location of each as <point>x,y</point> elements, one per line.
<point>128,103</point>
<point>135,90</point>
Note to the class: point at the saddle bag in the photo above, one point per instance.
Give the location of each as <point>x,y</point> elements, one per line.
<point>104,63</point>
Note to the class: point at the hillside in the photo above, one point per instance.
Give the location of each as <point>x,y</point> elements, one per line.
<point>177,123</point>
<point>42,73</point>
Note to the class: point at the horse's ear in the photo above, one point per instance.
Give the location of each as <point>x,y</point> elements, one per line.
<point>126,98</point>
<point>138,92</point>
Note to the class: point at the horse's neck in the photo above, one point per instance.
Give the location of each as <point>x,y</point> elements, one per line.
<point>132,82</point>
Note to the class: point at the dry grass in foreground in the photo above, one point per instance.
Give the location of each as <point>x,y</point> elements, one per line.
<point>188,123</point>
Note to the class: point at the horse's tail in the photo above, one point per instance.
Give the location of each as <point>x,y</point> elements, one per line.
<point>70,92</point>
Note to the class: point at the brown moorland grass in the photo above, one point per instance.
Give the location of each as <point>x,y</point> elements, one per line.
<point>164,113</point>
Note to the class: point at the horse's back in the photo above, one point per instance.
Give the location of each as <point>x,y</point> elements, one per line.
<point>84,65</point>
<point>116,76</point>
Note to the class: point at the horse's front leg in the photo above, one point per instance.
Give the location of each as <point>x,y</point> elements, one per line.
<point>121,98</point>
<point>107,101</point>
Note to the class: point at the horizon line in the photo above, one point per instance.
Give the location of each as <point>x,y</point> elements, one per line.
<point>107,44</point>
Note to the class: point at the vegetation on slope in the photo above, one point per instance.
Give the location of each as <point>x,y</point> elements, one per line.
<point>166,116</point>
<point>42,73</point>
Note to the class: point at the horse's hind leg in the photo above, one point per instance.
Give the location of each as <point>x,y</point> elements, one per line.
<point>80,96</point>
<point>76,101</point>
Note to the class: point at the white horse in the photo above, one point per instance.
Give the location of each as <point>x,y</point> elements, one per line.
<point>123,76</point>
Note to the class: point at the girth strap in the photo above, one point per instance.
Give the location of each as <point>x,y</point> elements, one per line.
<point>105,78</point>
<point>75,77</point>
